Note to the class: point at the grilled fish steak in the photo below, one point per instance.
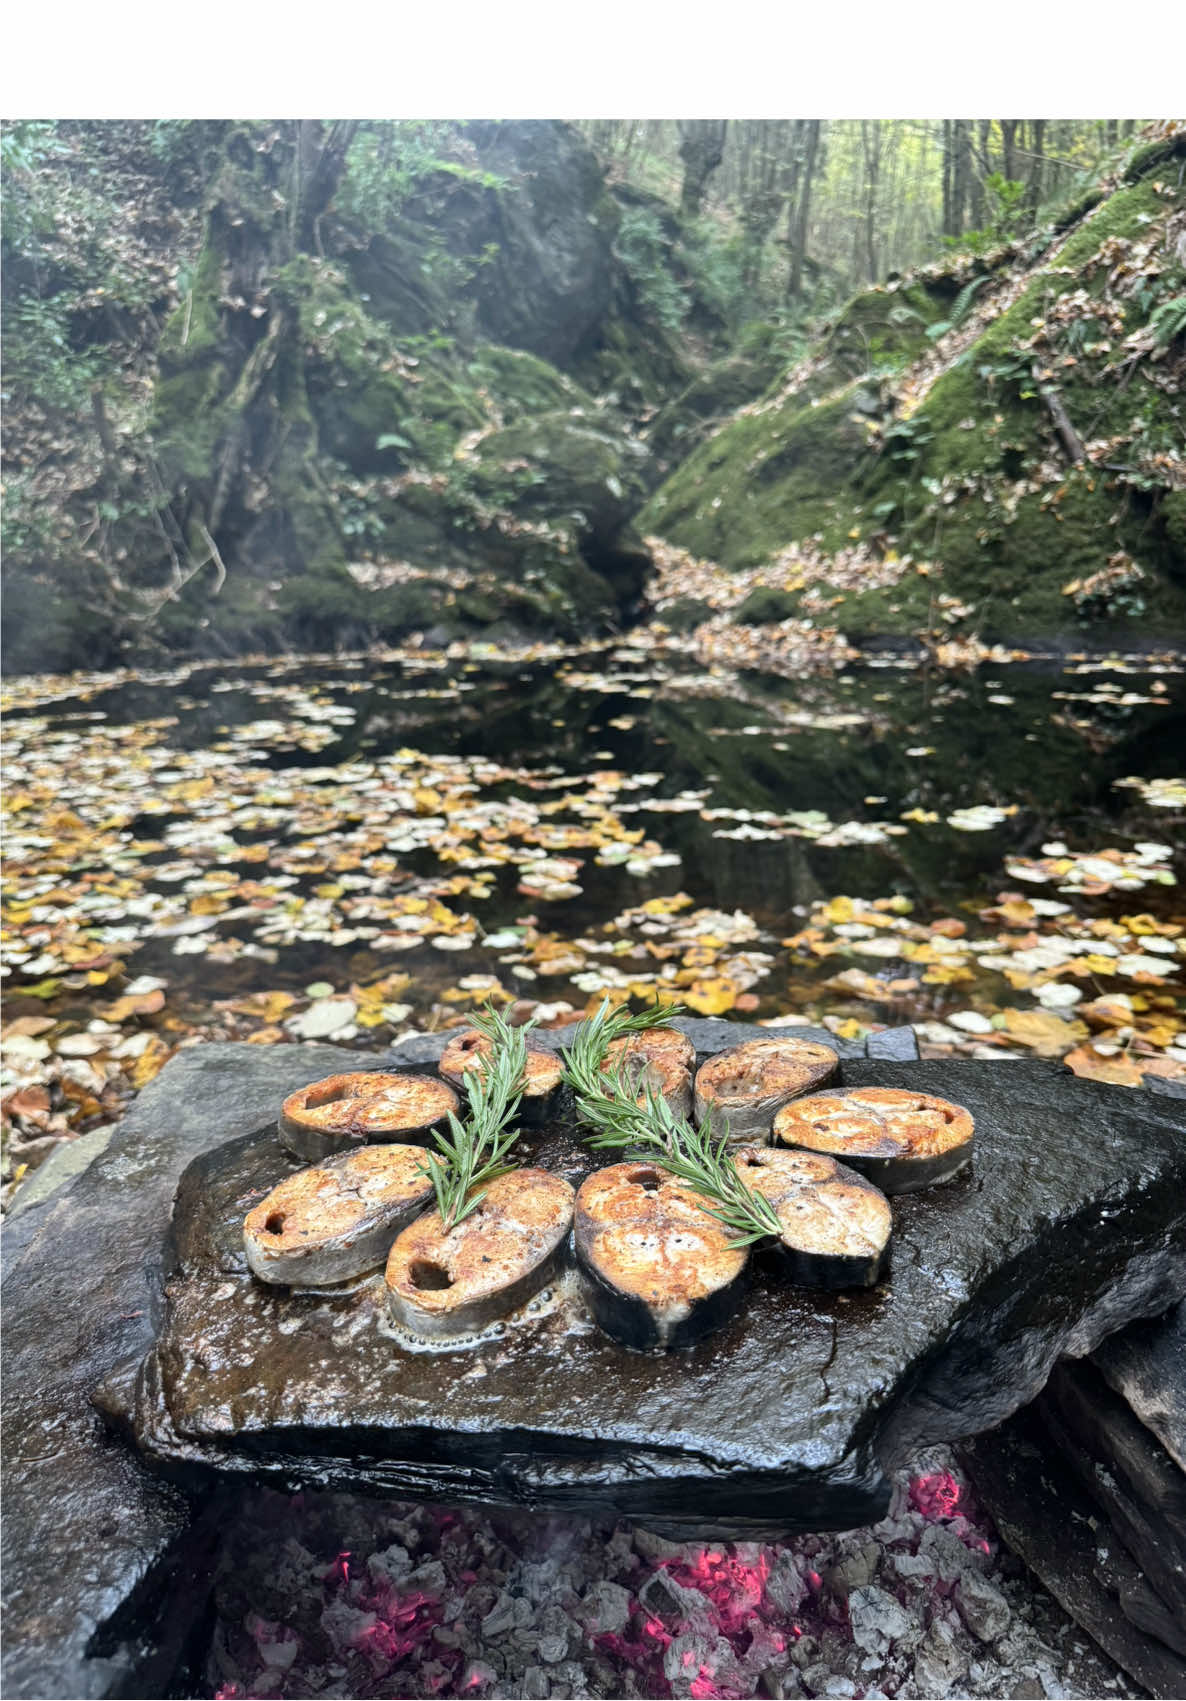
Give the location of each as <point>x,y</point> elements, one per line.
<point>900,1140</point>
<point>542,1076</point>
<point>659,1271</point>
<point>345,1111</point>
<point>660,1067</point>
<point>835,1225</point>
<point>338,1219</point>
<point>743,1088</point>
<point>445,1285</point>
<point>656,1044</point>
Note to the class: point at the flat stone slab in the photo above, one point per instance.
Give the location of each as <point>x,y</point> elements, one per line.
<point>1070,1223</point>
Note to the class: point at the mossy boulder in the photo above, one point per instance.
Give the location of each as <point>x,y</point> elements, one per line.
<point>685,614</point>
<point>513,245</point>
<point>723,387</point>
<point>768,477</point>
<point>520,384</point>
<point>569,470</point>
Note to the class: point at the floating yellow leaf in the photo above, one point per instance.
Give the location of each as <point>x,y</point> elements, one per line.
<point>711,997</point>
<point>1044,1032</point>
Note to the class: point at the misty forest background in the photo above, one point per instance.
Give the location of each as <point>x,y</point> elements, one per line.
<point>271,386</point>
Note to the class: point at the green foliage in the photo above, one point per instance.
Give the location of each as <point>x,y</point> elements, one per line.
<point>40,361</point>
<point>1168,322</point>
<point>960,310</point>
<point>473,1153</point>
<point>644,253</point>
<point>24,148</point>
<point>388,161</point>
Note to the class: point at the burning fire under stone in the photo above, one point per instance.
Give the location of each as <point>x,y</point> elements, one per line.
<point>470,1604</point>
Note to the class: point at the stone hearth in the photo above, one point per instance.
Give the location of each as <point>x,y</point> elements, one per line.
<point>1070,1225</point>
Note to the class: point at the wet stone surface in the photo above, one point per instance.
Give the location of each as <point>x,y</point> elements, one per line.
<point>1070,1222</point>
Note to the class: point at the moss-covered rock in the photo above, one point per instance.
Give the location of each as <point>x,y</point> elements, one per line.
<point>518,383</point>
<point>968,467</point>
<point>767,478</point>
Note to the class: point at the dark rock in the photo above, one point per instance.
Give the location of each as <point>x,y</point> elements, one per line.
<point>1146,1365</point>
<point>1046,1516</point>
<point>996,1272</point>
<point>894,1045</point>
<point>529,246</point>
<point>1070,1221</point>
<point>1128,1473</point>
<point>85,1528</point>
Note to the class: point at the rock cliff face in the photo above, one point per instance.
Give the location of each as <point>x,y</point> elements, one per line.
<point>331,450</point>
<point>1012,425</point>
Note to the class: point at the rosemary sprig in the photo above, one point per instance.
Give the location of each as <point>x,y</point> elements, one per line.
<point>594,1036</point>
<point>609,1105</point>
<point>474,1151</point>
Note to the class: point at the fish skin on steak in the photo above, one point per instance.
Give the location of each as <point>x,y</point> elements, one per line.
<point>900,1140</point>
<point>542,1075</point>
<point>444,1284</point>
<point>338,1219</point>
<point>659,1272</point>
<point>345,1111</point>
<point>741,1089</point>
<point>836,1225</point>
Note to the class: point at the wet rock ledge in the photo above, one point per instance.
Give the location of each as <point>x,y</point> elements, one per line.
<point>1070,1224</point>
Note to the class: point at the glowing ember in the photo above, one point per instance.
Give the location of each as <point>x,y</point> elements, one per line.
<point>935,1496</point>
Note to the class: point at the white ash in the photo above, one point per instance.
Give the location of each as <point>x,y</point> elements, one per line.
<point>334,1595</point>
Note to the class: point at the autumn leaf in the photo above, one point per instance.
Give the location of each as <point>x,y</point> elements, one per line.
<point>1118,1071</point>
<point>1044,1032</point>
<point>710,997</point>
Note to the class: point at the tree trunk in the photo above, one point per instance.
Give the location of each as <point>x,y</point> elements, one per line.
<point>1033,196</point>
<point>800,207</point>
<point>1009,147</point>
<point>871,147</point>
<point>961,173</point>
<point>701,149</point>
<point>982,168</point>
<point>231,413</point>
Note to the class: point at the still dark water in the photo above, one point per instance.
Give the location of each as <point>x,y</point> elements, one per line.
<point>421,823</point>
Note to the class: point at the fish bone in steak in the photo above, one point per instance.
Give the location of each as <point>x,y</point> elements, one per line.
<point>900,1140</point>
<point>443,1284</point>
<point>542,1076</point>
<point>659,1271</point>
<point>836,1225</point>
<point>338,1219</point>
<point>345,1111</point>
<point>741,1089</point>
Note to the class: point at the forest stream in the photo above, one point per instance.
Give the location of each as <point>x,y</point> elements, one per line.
<point>342,848</point>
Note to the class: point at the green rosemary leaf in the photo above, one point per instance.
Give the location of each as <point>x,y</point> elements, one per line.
<point>474,1152</point>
